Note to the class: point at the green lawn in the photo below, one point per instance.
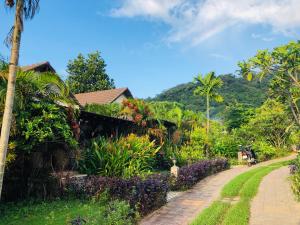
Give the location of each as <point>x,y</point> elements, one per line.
<point>64,211</point>
<point>243,188</point>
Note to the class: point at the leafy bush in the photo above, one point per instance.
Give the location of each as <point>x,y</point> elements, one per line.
<point>226,145</point>
<point>125,157</point>
<point>265,151</point>
<point>112,109</point>
<point>137,110</point>
<point>296,184</point>
<point>187,155</point>
<point>43,122</point>
<point>190,175</point>
<point>145,195</point>
<point>295,170</point>
<point>184,155</point>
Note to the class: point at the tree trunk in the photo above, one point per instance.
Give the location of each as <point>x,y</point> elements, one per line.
<point>9,102</point>
<point>295,112</point>
<point>207,125</point>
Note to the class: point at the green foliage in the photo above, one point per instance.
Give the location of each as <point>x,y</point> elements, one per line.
<point>282,64</point>
<point>208,85</point>
<point>237,114</point>
<point>37,118</point>
<point>198,138</point>
<point>234,89</point>
<point>88,74</point>
<point>170,111</point>
<point>266,151</point>
<point>295,178</point>
<point>125,157</point>
<point>226,145</point>
<point>188,154</point>
<point>270,124</point>
<point>295,137</point>
<point>61,212</point>
<point>41,123</point>
<point>112,109</point>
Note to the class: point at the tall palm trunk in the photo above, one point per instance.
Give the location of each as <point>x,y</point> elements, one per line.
<point>207,124</point>
<point>9,102</point>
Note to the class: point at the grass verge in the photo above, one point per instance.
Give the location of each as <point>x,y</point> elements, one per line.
<point>61,212</point>
<point>213,214</point>
<point>244,187</point>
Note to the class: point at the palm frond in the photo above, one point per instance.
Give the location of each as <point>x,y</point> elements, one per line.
<point>8,39</point>
<point>207,84</point>
<point>31,7</point>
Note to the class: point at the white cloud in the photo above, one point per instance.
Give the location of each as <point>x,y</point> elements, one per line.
<point>262,37</point>
<point>160,9</point>
<point>219,56</point>
<point>197,20</point>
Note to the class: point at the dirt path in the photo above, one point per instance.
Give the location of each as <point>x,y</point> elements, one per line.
<point>275,204</point>
<point>183,209</point>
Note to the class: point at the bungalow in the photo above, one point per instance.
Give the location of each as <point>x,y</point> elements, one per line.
<point>39,67</point>
<point>104,97</point>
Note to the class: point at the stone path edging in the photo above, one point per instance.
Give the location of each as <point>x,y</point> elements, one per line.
<point>183,209</point>
<point>275,203</point>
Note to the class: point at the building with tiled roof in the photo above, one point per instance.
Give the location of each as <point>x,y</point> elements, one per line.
<point>104,97</point>
<point>39,67</point>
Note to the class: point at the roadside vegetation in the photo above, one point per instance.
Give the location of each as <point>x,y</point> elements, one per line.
<point>295,177</point>
<point>71,211</point>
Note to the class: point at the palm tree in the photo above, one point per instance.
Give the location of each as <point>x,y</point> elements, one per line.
<point>24,9</point>
<point>207,86</point>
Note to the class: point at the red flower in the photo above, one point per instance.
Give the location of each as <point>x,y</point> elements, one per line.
<point>138,117</point>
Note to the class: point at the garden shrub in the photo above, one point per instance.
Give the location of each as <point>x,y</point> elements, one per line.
<point>126,157</point>
<point>144,195</point>
<point>265,151</point>
<point>226,145</point>
<point>295,178</point>
<point>137,110</point>
<point>187,155</point>
<point>112,109</point>
<point>296,184</point>
<point>190,175</point>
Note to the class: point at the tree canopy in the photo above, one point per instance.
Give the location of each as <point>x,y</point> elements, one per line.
<point>87,74</point>
<point>282,64</point>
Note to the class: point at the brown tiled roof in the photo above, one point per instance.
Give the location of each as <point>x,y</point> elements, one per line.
<point>40,67</point>
<point>102,97</point>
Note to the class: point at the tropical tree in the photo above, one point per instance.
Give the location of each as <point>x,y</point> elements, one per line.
<point>207,86</point>
<point>237,114</point>
<point>24,9</point>
<point>88,74</point>
<point>282,64</point>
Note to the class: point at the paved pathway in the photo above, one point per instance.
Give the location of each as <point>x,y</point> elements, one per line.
<point>275,204</point>
<point>183,209</point>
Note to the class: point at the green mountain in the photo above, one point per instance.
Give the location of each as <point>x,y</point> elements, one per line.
<point>234,89</point>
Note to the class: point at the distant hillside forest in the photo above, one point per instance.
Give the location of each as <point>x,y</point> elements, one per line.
<point>235,89</point>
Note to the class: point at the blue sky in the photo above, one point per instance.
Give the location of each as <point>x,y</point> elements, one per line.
<point>152,45</point>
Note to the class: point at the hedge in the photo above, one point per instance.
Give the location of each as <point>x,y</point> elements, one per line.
<point>145,195</point>
<point>191,174</point>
